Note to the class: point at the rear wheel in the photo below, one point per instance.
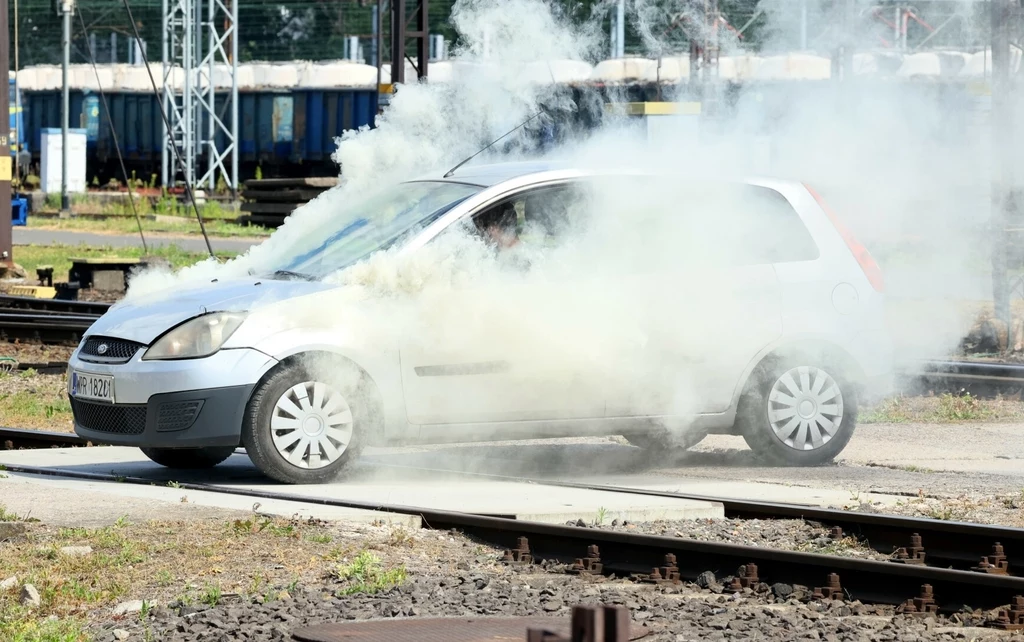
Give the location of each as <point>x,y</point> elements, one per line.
<point>189,458</point>
<point>303,428</point>
<point>797,414</point>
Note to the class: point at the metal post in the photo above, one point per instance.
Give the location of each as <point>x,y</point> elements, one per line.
<point>612,35</point>
<point>620,29</point>
<point>234,99</point>
<point>18,147</point>
<point>65,203</point>
<point>165,153</point>
<point>422,36</point>
<point>378,46</point>
<point>803,25</point>
<point>374,42</point>
<point>397,42</point>
<point>6,229</point>
<point>1002,125</point>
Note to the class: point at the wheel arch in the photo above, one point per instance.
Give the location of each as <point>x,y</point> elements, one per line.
<point>817,350</point>
<point>373,391</point>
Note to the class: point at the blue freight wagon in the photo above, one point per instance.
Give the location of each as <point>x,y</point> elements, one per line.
<point>285,133</point>
<point>16,140</point>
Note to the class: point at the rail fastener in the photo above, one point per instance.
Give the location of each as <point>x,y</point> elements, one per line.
<point>833,589</point>
<point>520,554</point>
<point>913,554</point>
<point>667,574</point>
<point>746,578</point>
<point>996,563</point>
<point>923,604</point>
<point>1011,619</point>
<point>589,565</point>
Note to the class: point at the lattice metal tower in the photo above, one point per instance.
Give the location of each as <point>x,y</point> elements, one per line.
<point>200,52</point>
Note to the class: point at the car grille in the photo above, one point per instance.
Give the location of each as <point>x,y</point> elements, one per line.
<point>116,351</point>
<point>177,415</point>
<point>124,419</point>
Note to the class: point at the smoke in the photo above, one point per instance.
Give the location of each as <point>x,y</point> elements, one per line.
<point>611,312</point>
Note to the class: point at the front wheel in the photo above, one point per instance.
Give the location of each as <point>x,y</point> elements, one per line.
<point>189,458</point>
<point>796,414</point>
<point>300,428</point>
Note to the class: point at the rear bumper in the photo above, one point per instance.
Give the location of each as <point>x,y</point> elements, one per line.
<point>190,419</point>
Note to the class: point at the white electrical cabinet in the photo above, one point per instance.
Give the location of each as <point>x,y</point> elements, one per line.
<point>50,160</point>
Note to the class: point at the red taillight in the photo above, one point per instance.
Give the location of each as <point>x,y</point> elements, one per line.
<point>864,258</point>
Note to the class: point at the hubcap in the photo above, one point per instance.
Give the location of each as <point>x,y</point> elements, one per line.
<point>311,425</point>
<point>805,408</point>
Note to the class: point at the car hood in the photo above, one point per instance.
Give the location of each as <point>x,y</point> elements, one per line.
<point>145,318</point>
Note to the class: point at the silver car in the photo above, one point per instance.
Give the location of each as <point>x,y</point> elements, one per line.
<point>779,346</point>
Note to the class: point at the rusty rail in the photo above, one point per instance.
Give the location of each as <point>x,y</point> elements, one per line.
<point>16,439</point>
<point>646,557</point>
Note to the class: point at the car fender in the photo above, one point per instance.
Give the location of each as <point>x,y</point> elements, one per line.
<point>380,366</point>
<point>801,342</point>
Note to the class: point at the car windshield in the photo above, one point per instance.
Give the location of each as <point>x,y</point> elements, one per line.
<point>377,223</point>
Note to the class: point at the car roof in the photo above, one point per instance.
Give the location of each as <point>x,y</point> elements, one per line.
<point>491,174</point>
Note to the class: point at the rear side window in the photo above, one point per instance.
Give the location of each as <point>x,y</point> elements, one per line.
<point>666,223</point>
<point>768,229</point>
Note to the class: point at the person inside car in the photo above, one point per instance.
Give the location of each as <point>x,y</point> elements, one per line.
<point>499,226</point>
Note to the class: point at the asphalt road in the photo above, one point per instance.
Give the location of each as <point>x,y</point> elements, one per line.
<point>25,236</point>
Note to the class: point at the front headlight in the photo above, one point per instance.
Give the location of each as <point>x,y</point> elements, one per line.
<point>198,337</point>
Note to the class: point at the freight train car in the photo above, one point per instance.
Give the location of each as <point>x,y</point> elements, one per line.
<point>284,127</point>
<point>290,114</point>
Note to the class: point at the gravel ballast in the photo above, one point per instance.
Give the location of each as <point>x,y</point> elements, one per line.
<point>787,534</point>
<point>678,613</point>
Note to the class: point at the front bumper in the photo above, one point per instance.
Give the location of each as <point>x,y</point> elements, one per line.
<point>171,404</point>
<point>192,419</point>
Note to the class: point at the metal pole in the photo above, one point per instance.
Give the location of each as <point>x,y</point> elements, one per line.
<point>620,29</point>
<point>65,204</point>
<point>1002,125</point>
<point>378,47</point>
<point>211,126</point>
<point>6,228</point>
<point>234,99</point>
<point>165,176</point>
<point>17,102</point>
<point>398,42</point>
<point>803,25</point>
<point>612,34</point>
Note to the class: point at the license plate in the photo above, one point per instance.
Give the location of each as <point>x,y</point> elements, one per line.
<point>97,387</point>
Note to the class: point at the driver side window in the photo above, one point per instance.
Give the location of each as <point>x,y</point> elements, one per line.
<point>540,218</point>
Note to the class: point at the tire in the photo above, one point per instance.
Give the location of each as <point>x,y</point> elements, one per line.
<point>189,458</point>
<point>315,444</point>
<point>782,443</point>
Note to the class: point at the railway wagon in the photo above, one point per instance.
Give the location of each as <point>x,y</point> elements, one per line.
<point>283,132</point>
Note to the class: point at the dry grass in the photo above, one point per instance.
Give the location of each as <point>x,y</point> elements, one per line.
<point>37,401</point>
<point>1005,510</point>
<point>946,408</point>
<point>193,563</point>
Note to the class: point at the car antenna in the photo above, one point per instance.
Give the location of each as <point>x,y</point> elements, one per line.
<point>490,144</point>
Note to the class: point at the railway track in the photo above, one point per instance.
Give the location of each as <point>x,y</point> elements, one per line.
<point>17,439</point>
<point>89,308</point>
<point>946,573</point>
<point>50,321</point>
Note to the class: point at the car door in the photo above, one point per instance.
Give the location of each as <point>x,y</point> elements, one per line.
<point>493,351</point>
<point>707,301</point>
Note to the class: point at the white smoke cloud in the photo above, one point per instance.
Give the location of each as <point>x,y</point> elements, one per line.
<point>580,324</point>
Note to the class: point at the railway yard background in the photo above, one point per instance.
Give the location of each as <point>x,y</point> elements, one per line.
<point>915,533</point>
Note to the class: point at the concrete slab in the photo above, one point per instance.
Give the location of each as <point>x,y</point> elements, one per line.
<point>379,486</point>
<point>63,501</point>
